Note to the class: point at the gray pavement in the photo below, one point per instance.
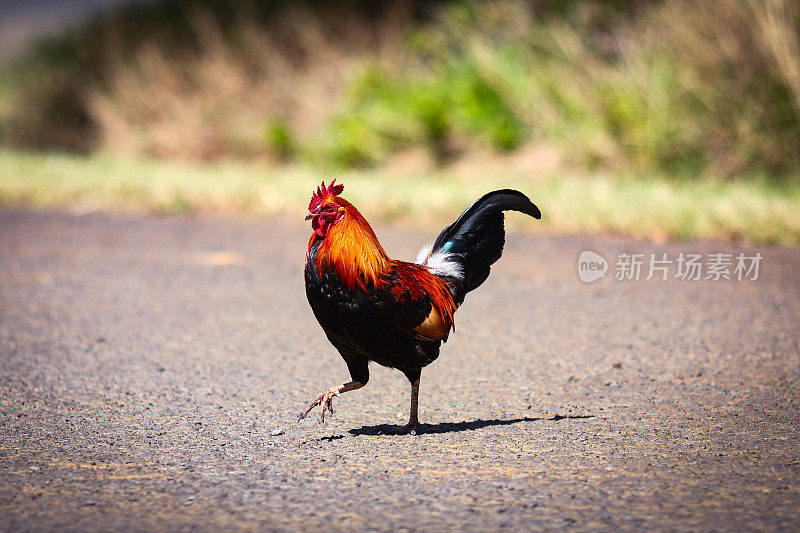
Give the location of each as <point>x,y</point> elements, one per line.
<point>151,370</point>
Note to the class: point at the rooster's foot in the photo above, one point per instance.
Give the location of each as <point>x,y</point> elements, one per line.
<point>325,400</point>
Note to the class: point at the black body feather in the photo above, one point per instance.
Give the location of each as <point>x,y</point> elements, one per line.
<point>371,325</point>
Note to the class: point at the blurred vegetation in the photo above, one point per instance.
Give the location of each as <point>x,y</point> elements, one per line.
<point>754,210</point>
<point>672,88</point>
<point>659,119</point>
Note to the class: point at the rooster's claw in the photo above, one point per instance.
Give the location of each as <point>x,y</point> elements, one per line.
<point>325,399</point>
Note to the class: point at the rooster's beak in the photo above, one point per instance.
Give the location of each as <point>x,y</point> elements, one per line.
<point>311,215</point>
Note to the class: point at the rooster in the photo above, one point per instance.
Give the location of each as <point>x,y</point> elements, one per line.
<point>397,314</point>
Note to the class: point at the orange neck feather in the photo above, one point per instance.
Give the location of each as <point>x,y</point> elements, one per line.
<point>353,250</point>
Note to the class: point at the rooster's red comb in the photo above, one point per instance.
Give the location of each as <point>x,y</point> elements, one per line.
<point>323,192</point>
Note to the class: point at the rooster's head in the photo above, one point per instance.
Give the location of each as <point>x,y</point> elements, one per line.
<point>326,208</point>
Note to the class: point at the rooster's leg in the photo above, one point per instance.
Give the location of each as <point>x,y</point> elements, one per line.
<point>413,421</point>
<point>325,399</point>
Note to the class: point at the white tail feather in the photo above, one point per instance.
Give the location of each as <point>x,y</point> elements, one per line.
<point>423,254</point>
<point>438,264</point>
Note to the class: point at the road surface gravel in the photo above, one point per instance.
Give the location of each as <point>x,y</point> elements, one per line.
<point>151,370</point>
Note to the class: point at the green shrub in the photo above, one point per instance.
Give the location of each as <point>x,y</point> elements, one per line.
<point>279,139</point>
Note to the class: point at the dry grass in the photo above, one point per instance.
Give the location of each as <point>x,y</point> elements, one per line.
<point>219,99</point>
<point>740,71</point>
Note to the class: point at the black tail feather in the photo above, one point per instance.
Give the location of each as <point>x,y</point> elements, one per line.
<point>475,240</point>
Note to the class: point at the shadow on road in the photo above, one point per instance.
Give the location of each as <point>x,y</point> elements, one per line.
<point>451,427</point>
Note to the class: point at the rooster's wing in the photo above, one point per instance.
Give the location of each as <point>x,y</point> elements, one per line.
<point>415,303</point>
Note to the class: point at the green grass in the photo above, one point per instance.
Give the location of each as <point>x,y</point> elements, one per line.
<point>654,208</point>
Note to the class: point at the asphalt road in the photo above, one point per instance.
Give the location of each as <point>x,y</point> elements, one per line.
<point>151,370</point>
